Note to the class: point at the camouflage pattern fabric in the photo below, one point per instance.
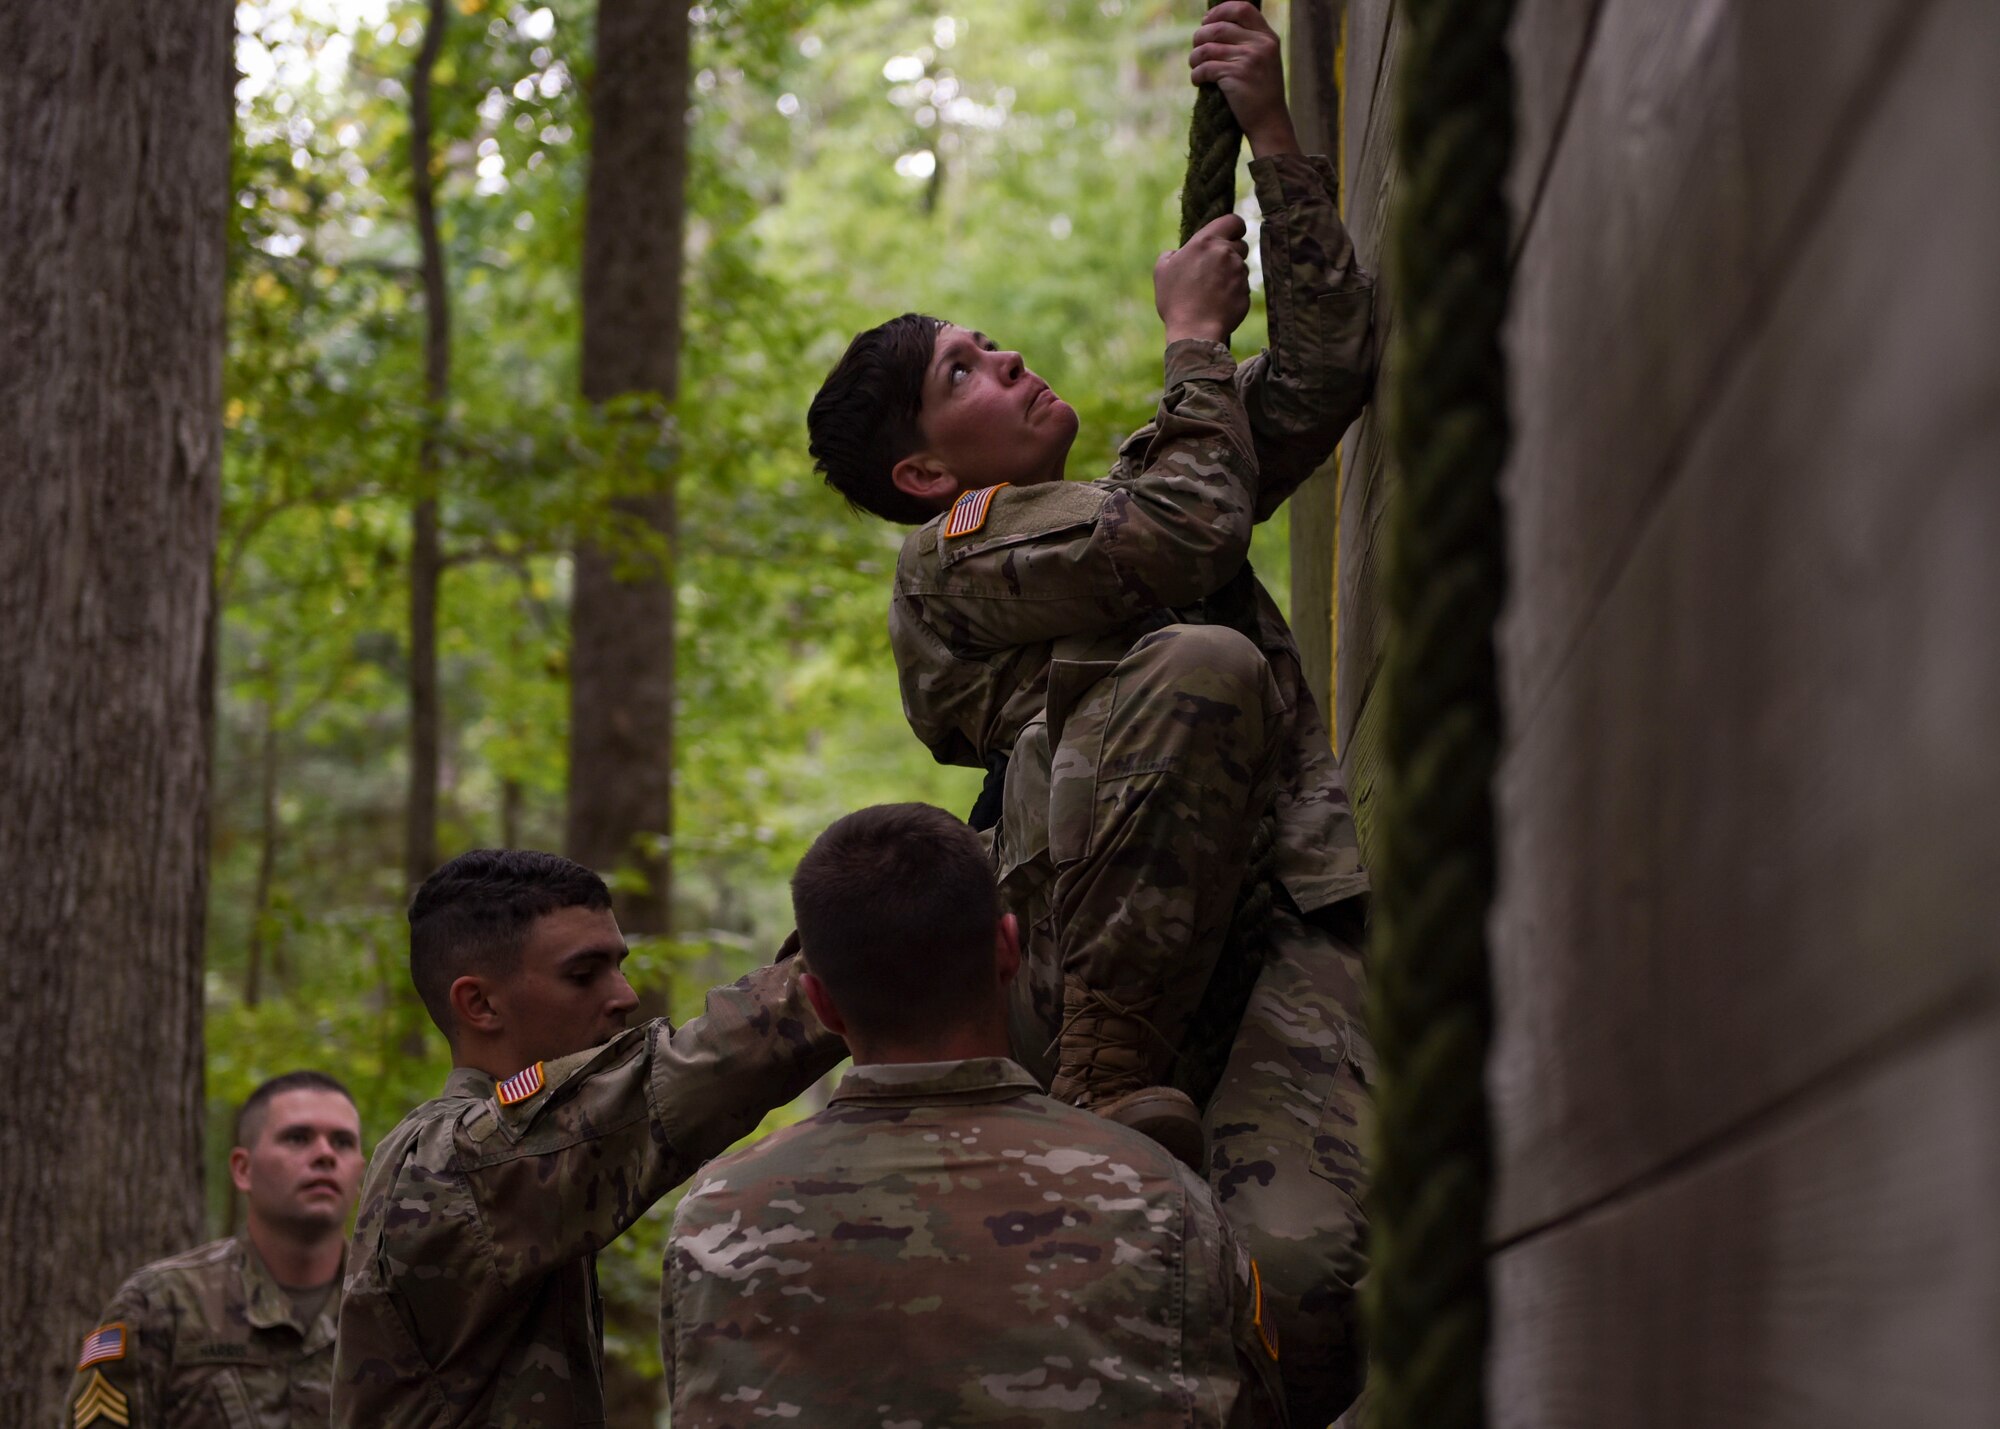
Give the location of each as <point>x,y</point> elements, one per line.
<point>943,1245</point>
<point>1287,1129</point>
<point>1078,571</point>
<point>1005,637</point>
<point>1287,1124</point>
<point>201,1339</point>
<point>472,1283</point>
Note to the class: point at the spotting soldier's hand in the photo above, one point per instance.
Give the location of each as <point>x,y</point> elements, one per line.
<point>1203,288</point>
<point>1236,50</point>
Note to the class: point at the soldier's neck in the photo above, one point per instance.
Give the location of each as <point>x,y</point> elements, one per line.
<point>956,1045</point>
<point>297,1260</point>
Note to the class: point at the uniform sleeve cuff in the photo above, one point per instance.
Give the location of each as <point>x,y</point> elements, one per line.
<point>1195,357</point>
<point>1281,180</point>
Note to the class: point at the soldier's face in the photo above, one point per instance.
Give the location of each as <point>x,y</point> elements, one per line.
<point>987,418</point>
<point>568,992</point>
<point>304,1165</point>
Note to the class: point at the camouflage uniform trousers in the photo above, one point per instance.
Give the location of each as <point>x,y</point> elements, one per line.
<point>1287,1129</point>
<point>1160,765</point>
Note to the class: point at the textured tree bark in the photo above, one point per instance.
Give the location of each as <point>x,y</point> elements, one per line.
<point>621,740</point>
<point>426,560</point>
<point>114,186</point>
<point>620,812</point>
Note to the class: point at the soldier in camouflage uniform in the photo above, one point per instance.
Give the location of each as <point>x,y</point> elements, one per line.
<point>239,1332</point>
<point>1104,643</point>
<point>943,1244</point>
<point>472,1280</point>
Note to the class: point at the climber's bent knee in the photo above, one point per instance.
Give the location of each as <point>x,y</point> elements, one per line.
<point>1211,655</point>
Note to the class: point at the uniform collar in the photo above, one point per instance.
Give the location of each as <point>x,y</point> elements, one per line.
<point>266,1304</point>
<point>467,1082</point>
<point>976,1079</point>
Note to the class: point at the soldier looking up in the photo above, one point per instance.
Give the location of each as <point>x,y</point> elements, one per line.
<point>1103,643</point>
<point>944,1244</point>
<point>240,1331</point>
<point>472,1282</point>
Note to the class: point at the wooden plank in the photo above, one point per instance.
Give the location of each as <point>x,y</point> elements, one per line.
<point>1546,39</point>
<point>1840,1270</point>
<point>1370,172</point>
<point>1699,144</point>
<point>1361,767</point>
<point>1750,829</point>
<point>1366,489</point>
<point>1312,47</point>
<point>1363,92</point>
<point>1312,546</point>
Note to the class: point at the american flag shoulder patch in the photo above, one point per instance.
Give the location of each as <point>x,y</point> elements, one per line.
<point>101,1399</point>
<point>968,513</point>
<point>106,1342</point>
<point>522,1085</point>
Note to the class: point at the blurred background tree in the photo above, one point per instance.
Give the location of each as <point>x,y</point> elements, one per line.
<point>1013,166</point>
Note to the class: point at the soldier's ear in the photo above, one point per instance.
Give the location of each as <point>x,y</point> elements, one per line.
<point>1007,948</point>
<point>471,1008</point>
<point>924,477</point>
<point>239,1168</point>
<point>822,1003</point>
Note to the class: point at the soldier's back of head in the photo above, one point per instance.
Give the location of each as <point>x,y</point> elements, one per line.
<point>943,1244</point>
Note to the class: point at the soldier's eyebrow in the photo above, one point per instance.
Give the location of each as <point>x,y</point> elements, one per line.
<point>615,952</point>
<point>290,1128</point>
<point>955,345</point>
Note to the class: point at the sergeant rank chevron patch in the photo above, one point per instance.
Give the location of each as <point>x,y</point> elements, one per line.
<point>100,1400</point>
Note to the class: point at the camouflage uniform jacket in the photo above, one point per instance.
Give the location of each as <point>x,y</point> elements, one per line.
<point>995,628</point>
<point>472,1281</point>
<point>944,1245</point>
<point>205,1338</point>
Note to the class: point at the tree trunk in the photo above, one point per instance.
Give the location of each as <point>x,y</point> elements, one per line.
<point>620,815</point>
<point>114,186</point>
<point>426,561</point>
<point>622,608</point>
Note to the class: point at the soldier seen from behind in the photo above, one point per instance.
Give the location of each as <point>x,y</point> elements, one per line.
<point>944,1244</point>
<point>472,1281</point>
<point>240,1331</point>
<point>1160,765</point>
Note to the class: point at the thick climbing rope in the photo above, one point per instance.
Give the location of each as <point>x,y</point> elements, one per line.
<point>1435,856</point>
<point>1207,193</point>
<point>1214,139</point>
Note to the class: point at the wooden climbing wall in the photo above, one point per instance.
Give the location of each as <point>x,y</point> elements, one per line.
<point>1747,1078</point>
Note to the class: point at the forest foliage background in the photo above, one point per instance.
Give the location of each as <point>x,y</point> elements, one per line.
<point>1013,166</point>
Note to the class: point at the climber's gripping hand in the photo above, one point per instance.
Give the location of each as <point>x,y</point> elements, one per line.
<point>1202,288</point>
<point>1236,49</point>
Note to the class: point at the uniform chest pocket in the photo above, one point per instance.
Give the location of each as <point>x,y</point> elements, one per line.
<point>210,1386</point>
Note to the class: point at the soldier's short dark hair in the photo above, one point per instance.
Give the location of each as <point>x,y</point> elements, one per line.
<point>864,418</point>
<point>896,909</point>
<point>250,1116</point>
<point>473,916</point>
